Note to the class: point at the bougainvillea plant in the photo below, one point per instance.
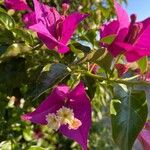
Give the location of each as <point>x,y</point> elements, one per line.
<point>69,111</point>
<point>73,75</point>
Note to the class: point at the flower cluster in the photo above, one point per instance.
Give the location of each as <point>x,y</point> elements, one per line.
<point>63,116</point>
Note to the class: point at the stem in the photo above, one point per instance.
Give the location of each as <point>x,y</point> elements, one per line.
<point>80,60</point>
<point>127,81</point>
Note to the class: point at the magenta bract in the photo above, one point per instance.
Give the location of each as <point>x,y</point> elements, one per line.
<point>132,38</point>
<point>144,136</point>
<point>76,100</point>
<point>122,69</point>
<point>53,29</point>
<point>17,5</point>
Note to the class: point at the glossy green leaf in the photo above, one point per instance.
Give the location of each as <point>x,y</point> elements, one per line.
<point>129,117</point>
<point>55,74</point>
<point>28,134</point>
<point>106,62</point>
<point>143,64</point>
<point>5,145</point>
<point>15,50</point>
<point>90,83</point>
<point>36,148</point>
<point>108,39</point>
<point>7,20</point>
<point>112,109</point>
<point>91,35</point>
<point>83,48</point>
<point>24,35</point>
<point>97,55</point>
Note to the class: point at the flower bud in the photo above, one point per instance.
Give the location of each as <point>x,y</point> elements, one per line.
<point>133,18</point>
<point>65,7</point>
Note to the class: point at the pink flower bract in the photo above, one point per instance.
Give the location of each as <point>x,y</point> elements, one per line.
<point>122,69</point>
<point>144,136</point>
<point>131,38</point>
<point>53,29</point>
<point>17,5</point>
<point>76,100</point>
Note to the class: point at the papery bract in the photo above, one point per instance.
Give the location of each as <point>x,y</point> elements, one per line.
<point>94,68</point>
<point>143,75</point>
<point>122,69</point>
<point>53,29</point>
<point>131,38</point>
<point>17,5</point>
<point>77,101</point>
<point>29,19</point>
<point>144,137</point>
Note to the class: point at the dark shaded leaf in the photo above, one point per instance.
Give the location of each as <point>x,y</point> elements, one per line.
<point>97,55</point>
<point>3,49</point>
<point>47,79</point>
<point>6,37</point>
<point>128,116</point>
<point>106,62</point>
<point>83,48</point>
<point>91,85</point>
<point>12,72</point>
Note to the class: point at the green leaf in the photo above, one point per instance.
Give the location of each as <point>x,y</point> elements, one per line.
<point>5,145</point>
<point>3,49</point>
<point>91,35</point>
<point>143,64</point>
<point>2,9</point>
<point>6,37</point>
<point>97,55</point>
<point>106,62</point>
<point>36,148</point>
<point>83,48</point>
<point>24,35</point>
<point>108,39</point>
<point>129,117</point>
<point>91,85</point>
<point>47,79</point>
<point>7,20</point>
<point>12,73</point>
<point>28,134</point>
<point>15,50</point>
<point>112,109</point>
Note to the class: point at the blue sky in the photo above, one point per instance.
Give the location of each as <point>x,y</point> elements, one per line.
<point>139,7</point>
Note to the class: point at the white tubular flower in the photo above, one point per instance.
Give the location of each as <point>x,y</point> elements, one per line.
<point>53,121</point>
<point>66,115</point>
<point>75,124</point>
